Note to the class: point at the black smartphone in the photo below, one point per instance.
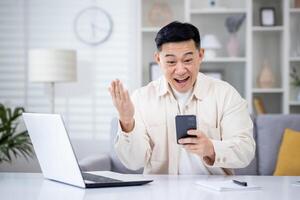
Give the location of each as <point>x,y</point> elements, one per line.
<point>183,124</point>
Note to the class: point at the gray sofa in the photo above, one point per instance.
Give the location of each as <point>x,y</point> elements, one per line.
<point>268,131</point>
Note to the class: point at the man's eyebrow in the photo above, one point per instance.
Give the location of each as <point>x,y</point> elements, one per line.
<point>188,53</point>
<point>172,55</point>
<point>168,55</point>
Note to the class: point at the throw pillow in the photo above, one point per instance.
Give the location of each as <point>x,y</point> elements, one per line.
<point>288,160</point>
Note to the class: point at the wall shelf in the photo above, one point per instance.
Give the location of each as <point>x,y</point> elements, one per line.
<point>295,59</point>
<point>150,29</point>
<point>219,11</point>
<point>295,10</point>
<point>267,28</point>
<point>294,103</point>
<point>257,43</point>
<point>267,90</point>
<point>225,60</point>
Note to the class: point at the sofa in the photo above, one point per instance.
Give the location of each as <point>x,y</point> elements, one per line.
<point>268,131</point>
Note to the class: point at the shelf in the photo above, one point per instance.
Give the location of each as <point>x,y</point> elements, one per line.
<point>219,11</point>
<point>225,59</point>
<point>267,28</point>
<point>295,59</point>
<point>295,10</point>
<point>294,103</point>
<point>150,29</point>
<point>267,90</point>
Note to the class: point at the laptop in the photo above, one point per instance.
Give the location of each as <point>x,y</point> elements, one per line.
<point>57,159</point>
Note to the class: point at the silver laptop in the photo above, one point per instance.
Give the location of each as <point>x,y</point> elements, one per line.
<point>57,159</point>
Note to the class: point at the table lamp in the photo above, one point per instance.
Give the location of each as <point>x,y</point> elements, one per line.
<point>210,43</point>
<point>52,66</point>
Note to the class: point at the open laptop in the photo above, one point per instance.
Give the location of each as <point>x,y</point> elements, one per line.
<point>57,159</point>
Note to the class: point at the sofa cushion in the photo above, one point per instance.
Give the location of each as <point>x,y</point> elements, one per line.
<point>270,129</point>
<point>288,161</point>
<point>251,169</point>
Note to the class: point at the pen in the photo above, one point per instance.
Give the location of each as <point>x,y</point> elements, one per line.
<point>241,183</point>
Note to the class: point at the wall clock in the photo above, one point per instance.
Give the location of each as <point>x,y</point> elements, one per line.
<point>93,25</point>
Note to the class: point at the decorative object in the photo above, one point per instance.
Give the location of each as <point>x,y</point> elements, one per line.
<point>266,77</point>
<point>155,71</point>
<point>160,14</point>
<point>217,74</point>
<point>267,16</point>
<point>295,81</point>
<point>259,106</point>
<point>93,25</point>
<point>12,141</point>
<point>210,43</point>
<point>297,3</point>
<point>233,23</point>
<point>51,66</point>
<point>212,3</point>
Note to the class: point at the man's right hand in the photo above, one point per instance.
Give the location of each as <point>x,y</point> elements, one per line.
<point>123,104</point>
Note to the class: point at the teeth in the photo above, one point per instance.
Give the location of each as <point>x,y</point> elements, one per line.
<point>181,79</point>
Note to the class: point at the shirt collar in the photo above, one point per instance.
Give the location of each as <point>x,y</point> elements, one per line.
<point>200,91</point>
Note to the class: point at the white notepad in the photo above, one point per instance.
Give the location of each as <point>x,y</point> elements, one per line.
<point>226,185</point>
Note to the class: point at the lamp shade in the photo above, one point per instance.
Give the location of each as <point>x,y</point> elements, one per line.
<point>52,65</point>
<point>210,41</point>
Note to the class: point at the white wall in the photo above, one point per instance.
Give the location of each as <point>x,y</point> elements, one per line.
<point>86,104</point>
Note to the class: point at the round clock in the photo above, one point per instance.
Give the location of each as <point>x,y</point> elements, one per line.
<point>93,25</point>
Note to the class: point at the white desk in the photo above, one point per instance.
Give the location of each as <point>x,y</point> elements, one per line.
<point>32,186</point>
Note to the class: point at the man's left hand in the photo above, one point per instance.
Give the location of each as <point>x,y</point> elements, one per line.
<point>200,145</point>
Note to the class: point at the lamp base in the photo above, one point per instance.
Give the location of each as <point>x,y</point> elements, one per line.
<point>210,54</point>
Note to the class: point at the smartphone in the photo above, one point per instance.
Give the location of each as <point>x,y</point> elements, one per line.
<point>183,124</point>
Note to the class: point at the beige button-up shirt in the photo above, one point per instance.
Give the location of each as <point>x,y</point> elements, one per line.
<point>221,114</point>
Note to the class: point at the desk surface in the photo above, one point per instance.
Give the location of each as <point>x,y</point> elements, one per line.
<point>33,186</point>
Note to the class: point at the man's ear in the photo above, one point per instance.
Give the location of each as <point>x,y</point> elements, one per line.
<point>156,57</point>
<point>201,53</point>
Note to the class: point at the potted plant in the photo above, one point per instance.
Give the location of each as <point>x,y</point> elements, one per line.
<point>295,80</point>
<point>12,141</point>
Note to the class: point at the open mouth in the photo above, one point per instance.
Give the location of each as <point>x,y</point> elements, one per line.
<point>181,80</point>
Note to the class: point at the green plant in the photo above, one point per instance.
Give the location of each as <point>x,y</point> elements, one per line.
<point>295,77</point>
<point>12,143</point>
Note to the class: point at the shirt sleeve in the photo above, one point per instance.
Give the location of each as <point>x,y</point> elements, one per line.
<point>133,148</point>
<point>236,147</point>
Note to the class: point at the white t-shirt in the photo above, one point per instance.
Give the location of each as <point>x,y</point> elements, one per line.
<point>189,163</point>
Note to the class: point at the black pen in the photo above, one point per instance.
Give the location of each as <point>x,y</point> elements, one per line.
<point>241,183</point>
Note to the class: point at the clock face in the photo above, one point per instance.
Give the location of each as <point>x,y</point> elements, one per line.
<point>93,25</point>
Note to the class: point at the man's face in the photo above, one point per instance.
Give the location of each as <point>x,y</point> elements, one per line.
<point>180,63</point>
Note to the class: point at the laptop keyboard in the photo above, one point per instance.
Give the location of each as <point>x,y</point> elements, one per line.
<point>99,179</point>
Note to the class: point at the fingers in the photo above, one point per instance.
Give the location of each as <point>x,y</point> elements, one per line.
<point>192,140</point>
<point>195,133</point>
<point>117,91</point>
<point>189,140</point>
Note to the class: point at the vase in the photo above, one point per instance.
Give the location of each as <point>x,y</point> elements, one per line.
<point>233,45</point>
<point>297,3</point>
<point>160,14</point>
<point>266,77</point>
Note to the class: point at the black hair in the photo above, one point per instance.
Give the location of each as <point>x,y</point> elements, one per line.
<point>177,32</point>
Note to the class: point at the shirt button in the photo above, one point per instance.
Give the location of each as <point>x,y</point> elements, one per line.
<point>224,160</point>
<point>218,159</point>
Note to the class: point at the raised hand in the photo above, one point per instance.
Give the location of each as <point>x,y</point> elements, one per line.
<point>123,104</point>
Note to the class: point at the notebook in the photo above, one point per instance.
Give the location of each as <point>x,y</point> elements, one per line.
<point>225,185</point>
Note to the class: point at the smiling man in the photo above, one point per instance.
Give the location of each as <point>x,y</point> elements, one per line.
<point>147,135</point>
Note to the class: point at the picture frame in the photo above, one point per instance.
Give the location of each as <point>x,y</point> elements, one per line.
<point>217,74</point>
<point>154,71</point>
<point>267,16</point>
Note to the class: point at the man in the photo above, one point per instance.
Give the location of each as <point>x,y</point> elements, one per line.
<point>147,134</point>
